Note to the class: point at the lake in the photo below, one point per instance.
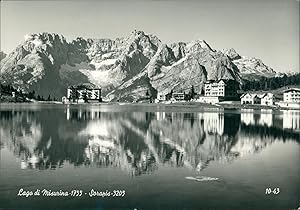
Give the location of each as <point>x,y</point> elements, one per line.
<point>159,157</point>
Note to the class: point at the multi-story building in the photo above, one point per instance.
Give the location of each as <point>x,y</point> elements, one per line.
<point>216,91</point>
<point>291,99</point>
<point>178,96</point>
<point>291,95</point>
<point>213,88</point>
<point>221,88</point>
<point>85,92</point>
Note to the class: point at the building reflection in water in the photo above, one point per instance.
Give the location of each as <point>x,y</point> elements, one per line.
<point>291,119</point>
<point>213,122</point>
<point>266,117</point>
<point>140,142</point>
<point>247,116</point>
<point>263,117</point>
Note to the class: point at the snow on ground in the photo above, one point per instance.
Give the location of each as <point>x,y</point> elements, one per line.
<point>99,78</point>
<point>107,62</point>
<point>107,55</point>
<point>176,63</point>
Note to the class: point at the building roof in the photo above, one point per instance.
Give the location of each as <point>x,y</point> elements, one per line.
<point>292,89</point>
<point>257,96</point>
<point>266,94</point>
<point>251,94</point>
<point>261,95</point>
<point>210,81</point>
<point>217,81</point>
<point>244,94</point>
<point>84,86</point>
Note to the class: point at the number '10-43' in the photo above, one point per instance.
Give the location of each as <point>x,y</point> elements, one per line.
<point>274,191</point>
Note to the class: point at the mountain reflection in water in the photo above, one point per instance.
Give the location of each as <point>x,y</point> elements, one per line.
<point>140,142</point>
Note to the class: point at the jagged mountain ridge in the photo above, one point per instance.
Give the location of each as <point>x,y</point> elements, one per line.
<point>125,68</point>
<point>251,68</point>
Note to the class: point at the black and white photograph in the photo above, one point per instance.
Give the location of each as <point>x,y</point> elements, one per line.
<point>149,104</point>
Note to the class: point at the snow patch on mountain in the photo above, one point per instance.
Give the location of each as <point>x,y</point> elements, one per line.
<point>176,63</point>
<point>101,78</point>
<point>107,55</point>
<point>107,62</point>
<point>96,77</point>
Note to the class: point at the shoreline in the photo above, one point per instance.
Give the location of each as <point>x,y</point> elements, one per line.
<point>176,104</point>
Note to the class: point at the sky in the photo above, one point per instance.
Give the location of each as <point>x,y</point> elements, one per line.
<point>265,29</point>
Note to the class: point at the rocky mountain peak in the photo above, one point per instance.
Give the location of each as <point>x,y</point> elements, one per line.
<point>138,40</point>
<point>197,45</point>
<point>179,49</point>
<point>51,45</point>
<point>137,33</point>
<point>231,53</point>
<point>250,67</point>
<point>44,38</point>
<point>82,42</point>
<point>253,68</point>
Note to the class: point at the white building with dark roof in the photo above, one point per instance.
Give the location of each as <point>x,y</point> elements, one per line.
<point>85,92</point>
<point>291,99</point>
<point>254,98</point>
<point>291,95</point>
<point>216,91</point>
<point>221,88</point>
<point>251,98</point>
<point>267,99</point>
<point>247,98</point>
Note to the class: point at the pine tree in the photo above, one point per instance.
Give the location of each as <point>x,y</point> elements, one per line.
<point>74,94</point>
<point>84,96</point>
<point>31,94</point>
<point>192,92</point>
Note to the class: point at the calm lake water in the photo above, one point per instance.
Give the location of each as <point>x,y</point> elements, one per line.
<point>149,151</point>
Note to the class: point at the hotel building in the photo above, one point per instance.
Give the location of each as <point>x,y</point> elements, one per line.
<point>84,93</point>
